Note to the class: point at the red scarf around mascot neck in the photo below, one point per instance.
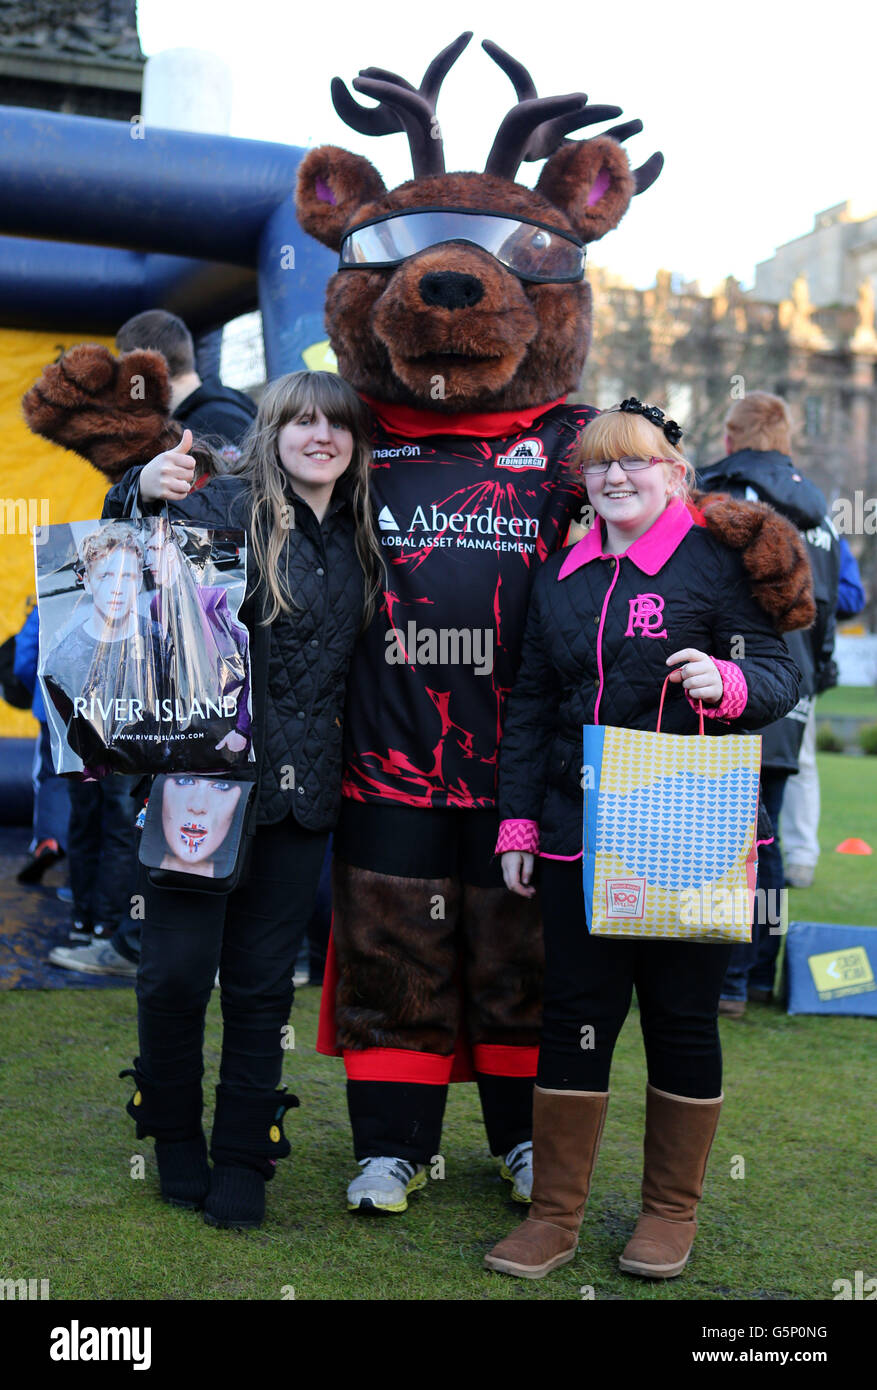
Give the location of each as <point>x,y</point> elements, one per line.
<point>412,423</point>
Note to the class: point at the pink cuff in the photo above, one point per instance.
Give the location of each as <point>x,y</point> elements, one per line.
<point>734,695</point>
<point>518,834</point>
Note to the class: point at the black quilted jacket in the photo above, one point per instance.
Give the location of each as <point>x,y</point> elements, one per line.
<point>607,629</point>
<point>298,715</point>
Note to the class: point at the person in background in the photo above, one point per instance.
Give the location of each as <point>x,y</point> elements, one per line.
<point>51,805</point>
<point>758,467</point>
<point>801,804</point>
<point>215,413</point>
<point>102,848</point>
<point>850,592</point>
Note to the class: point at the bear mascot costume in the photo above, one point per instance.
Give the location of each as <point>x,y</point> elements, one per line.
<point>461,314</point>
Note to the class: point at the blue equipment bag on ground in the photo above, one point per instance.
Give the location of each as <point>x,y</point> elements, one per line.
<point>831,969</point>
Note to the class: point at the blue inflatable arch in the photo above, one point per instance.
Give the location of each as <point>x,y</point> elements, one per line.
<point>101,220</point>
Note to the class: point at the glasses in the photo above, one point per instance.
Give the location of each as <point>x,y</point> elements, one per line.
<point>530,250</point>
<point>594,467</point>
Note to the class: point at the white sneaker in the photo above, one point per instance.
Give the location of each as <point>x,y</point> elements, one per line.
<point>517,1168</point>
<point>384,1184</point>
<point>100,959</point>
<point>800,875</point>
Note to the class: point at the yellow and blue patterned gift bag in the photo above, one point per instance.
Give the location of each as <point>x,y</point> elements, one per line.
<point>669,834</point>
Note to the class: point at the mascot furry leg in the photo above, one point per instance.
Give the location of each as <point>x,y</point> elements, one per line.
<point>422,962</point>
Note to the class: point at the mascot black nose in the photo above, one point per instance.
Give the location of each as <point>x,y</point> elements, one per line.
<point>448,289</point>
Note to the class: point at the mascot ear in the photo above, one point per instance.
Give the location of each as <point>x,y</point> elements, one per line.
<point>332,184</point>
<point>592,182</point>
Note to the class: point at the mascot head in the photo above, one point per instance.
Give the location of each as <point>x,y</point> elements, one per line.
<point>462,291</point>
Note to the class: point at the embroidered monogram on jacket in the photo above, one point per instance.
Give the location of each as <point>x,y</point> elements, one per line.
<point>646,616</point>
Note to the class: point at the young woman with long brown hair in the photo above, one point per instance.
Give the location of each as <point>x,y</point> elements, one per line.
<point>300,492</point>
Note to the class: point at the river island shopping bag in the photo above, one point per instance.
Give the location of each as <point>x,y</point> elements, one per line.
<point>144,662</point>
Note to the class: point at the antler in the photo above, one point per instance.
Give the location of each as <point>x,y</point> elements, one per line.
<point>402,107</point>
<point>535,128</point>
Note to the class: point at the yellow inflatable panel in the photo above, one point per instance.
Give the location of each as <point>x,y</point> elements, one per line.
<point>39,484</point>
<point>320,357</point>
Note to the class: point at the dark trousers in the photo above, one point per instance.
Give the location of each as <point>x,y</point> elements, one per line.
<point>252,936</point>
<point>102,849</point>
<point>51,795</point>
<point>589,982</point>
<point>755,962</point>
<point>320,924</point>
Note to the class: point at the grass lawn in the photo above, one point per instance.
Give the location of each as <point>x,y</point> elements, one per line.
<point>845,886</point>
<point>856,701</point>
<point>799,1113</point>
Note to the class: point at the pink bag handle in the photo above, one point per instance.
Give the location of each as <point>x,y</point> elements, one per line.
<point>661,706</point>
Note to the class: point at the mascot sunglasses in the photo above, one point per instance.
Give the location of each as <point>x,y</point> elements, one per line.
<point>530,250</point>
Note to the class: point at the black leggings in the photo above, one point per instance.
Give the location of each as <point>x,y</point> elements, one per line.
<point>252,936</point>
<point>589,981</point>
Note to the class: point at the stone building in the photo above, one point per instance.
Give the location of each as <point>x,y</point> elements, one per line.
<point>835,257</point>
<point>81,57</point>
<point>693,354</point>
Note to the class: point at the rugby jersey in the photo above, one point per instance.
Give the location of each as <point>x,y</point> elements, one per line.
<point>465,520</point>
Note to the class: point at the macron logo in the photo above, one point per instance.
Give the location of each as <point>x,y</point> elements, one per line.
<point>75,1343</point>
<point>386,520</point>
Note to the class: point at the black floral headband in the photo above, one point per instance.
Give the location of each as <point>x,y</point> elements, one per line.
<point>672,432</point>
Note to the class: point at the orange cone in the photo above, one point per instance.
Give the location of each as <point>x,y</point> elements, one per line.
<point>854,846</point>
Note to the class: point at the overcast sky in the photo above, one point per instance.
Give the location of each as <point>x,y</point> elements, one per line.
<point>764,110</point>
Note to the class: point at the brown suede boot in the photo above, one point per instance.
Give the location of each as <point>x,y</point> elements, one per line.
<point>566,1136</point>
<point>679,1136</point>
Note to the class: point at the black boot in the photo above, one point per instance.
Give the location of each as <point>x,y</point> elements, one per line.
<point>172,1115</point>
<point>247,1141</point>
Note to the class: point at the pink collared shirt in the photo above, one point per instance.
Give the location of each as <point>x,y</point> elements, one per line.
<point>649,552</point>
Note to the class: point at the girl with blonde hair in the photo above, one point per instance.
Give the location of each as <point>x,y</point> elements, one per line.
<point>649,591</point>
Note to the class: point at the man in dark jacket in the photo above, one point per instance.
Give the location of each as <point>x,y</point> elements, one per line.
<point>215,413</point>
<point>801,802</point>
<point>758,467</point>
